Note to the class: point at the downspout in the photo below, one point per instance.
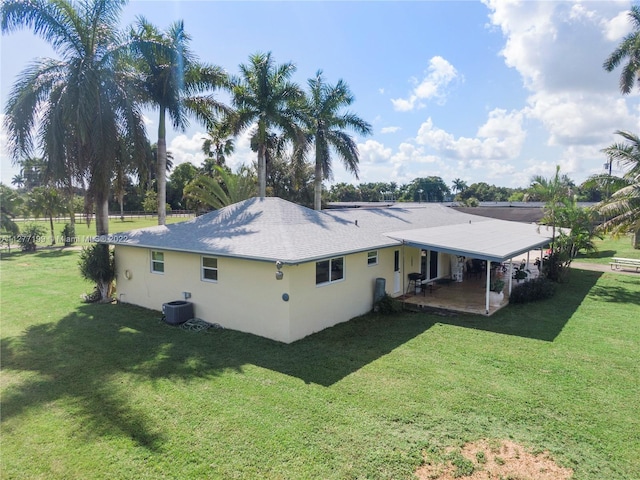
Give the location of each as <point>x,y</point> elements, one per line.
<point>402,268</point>
<point>486,295</point>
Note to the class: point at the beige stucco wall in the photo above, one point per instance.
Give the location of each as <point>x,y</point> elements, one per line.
<point>412,261</point>
<point>247,296</point>
<point>316,307</point>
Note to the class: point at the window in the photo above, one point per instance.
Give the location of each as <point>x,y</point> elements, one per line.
<point>209,269</point>
<point>328,271</point>
<point>372,258</point>
<point>157,262</point>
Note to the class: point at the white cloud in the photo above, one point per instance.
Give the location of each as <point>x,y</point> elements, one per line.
<point>558,49</point>
<point>242,153</point>
<point>411,154</point>
<point>373,152</point>
<point>577,119</point>
<point>433,86</point>
<point>390,129</point>
<point>617,27</point>
<point>500,138</point>
<point>187,149</point>
<point>558,46</point>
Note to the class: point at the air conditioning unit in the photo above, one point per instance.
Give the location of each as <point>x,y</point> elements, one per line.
<point>177,312</point>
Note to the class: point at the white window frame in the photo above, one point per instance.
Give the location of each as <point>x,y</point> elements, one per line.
<point>155,262</point>
<point>372,255</point>
<point>204,268</point>
<point>330,281</point>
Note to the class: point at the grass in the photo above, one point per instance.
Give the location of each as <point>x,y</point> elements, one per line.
<point>610,247</point>
<point>85,232</point>
<point>108,391</point>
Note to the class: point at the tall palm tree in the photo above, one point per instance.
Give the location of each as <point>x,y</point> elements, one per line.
<point>46,201</point>
<point>147,171</point>
<point>264,96</point>
<point>325,124</point>
<point>82,100</point>
<point>174,81</point>
<point>218,145</point>
<point>628,48</point>
<point>553,191</point>
<point>17,181</point>
<point>622,209</point>
<point>459,185</point>
<point>33,171</point>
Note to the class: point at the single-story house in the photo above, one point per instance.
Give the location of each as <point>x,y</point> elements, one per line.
<point>282,271</point>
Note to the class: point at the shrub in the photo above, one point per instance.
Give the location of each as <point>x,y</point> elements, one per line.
<point>69,234</point>
<point>30,235</point>
<point>533,290</point>
<point>556,266</point>
<point>97,264</point>
<point>387,305</point>
<point>497,285</point>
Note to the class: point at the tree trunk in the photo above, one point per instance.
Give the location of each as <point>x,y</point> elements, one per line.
<point>53,233</point>
<point>121,202</point>
<point>102,214</point>
<point>262,170</point>
<point>636,238</point>
<point>161,173</point>
<point>317,184</point>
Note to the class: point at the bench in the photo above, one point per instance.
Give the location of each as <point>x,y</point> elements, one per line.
<point>618,263</point>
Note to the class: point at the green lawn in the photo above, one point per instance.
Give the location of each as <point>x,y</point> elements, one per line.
<point>85,232</point>
<point>108,391</point>
<point>610,247</point>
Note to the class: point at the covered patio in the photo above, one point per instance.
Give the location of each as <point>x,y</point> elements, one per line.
<point>467,296</point>
<point>496,242</point>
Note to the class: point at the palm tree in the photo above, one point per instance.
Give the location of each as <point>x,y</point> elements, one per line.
<point>17,181</point>
<point>147,170</point>
<point>175,82</point>
<point>218,145</point>
<point>10,204</point>
<point>320,112</point>
<point>628,48</point>
<point>225,189</point>
<point>82,100</point>
<point>557,194</point>
<point>459,185</point>
<point>264,96</point>
<point>46,201</point>
<point>622,209</point>
<point>120,184</point>
<point>33,171</point>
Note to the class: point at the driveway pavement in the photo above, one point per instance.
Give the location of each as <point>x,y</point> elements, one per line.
<point>598,267</point>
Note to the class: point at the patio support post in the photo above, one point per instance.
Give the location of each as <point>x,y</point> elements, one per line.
<point>510,274</point>
<point>486,295</point>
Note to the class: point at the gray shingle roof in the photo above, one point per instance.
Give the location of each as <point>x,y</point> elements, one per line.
<point>273,229</point>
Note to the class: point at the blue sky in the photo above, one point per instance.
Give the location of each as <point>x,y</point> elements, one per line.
<point>493,91</point>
